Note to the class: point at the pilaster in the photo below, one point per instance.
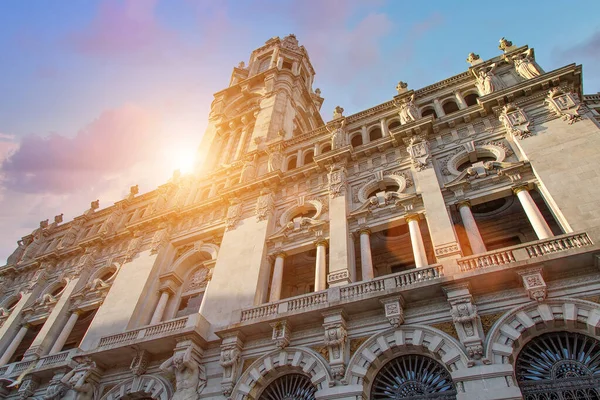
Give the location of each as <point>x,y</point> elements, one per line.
<point>339,262</point>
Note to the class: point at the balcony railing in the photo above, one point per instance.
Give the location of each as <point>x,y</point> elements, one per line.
<point>148,332</point>
<point>348,293</point>
<point>525,251</point>
<point>49,361</point>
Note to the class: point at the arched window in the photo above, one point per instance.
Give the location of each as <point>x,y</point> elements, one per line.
<point>308,157</point>
<point>356,140</point>
<point>471,99</point>
<point>193,293</point>
<point>375,134</point>
<point>450,107</point>
<point>264,65</point>
<point>429,111</point>
<point>326,149</point>
<point>413,376</point>
<point>559,365</point>
<point>289,386</point>
<point>291,163</point>
<point>394,124</point>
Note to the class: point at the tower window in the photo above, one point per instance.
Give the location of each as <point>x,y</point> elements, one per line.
<point>286,65</point>
<point>264,64</point>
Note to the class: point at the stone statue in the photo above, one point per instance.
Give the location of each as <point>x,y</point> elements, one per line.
<point>77,382</point>
<point>486,80</point>
<point>275,160</point>
<point>188,375</point>
<point>241,65</point>
<point>249,170</point>
<point>525,65</point>
<point>338,135</point>
<point>401,87</point>
<point>338,112</point>
<point>504,44</point>
<point>16,256</point>
<point>408,110</point>
<point>472,58</point>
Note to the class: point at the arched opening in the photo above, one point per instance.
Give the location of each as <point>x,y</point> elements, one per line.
<point>412,376</point>
<point>394,124</point>
<point>290,386</point>
<point>193,293</point>
<point>264,65</point>
<point>326,148</point>
<point>291,163</point>
<point>309,157</point>
<point>449,107</point>
<point>467,163</point>
<point>559,365</point>
<point>356,140</point>
<point>57,290</point>
<point>375,134</point>
<point>384,187</point>
<point>471,99</point>
<point>429,111</point>
<point>12,304</point>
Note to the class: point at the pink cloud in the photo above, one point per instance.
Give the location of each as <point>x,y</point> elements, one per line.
<point>126,29</point>
<point>115,141</point>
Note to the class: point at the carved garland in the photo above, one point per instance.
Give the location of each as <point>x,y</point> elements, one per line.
<point>397,178</point>
<point>498,150</point>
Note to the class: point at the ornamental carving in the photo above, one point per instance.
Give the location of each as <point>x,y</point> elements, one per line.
<point>111,223</point>
<point>234,213</point>
<point>525,64</point>
<point>565,105</point>
<point>190,375</point>
<point>281,333</point>
<point>487,82</point>
<point>264,206</point>
<point>160,238</point>
<point>230,361</point>
<point>394,311</point>
<point>134,246</point>
<point>337,181</point>
<point>275,157</point>
<point>140,362</point>
<point>534,284</point>
<point>515,121</point>
<point>249,169</point>
<point>418,150</point>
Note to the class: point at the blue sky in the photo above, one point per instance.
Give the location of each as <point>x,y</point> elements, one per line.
<point>99,95</point>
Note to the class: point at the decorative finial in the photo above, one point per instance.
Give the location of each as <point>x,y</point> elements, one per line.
<point>44,223</point>
<point>338,112</point>
<point>401,87</point>
<point>94,205</point>
<point>474,59</point>
<point>505,44</point>
<point>318,92</point>
<point>58,219</point>
<point>241,65</point>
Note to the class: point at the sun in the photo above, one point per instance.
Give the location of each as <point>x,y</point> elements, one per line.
<point>182,159</point>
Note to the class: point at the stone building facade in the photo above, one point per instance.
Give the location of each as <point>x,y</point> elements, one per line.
<point>441,245</point>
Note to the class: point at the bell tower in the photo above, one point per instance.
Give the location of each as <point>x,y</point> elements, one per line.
<point>268,100</point>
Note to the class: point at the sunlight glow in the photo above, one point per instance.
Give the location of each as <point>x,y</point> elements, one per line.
<point>181,159</point>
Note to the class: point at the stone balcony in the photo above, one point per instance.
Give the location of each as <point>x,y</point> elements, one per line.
<point>40,365</point>
<point>422,283</point>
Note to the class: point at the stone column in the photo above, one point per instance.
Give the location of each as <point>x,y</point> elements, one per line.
<point>364,134</point>
<point>438,108</point>
<point>366,260</point>
<point>277,279</point>
<point>321,266</point>
<point>12,347</point>
<point>160,307</point>
<point>475,239</point>
<point>540,226</point>
<point>66,331</point>
<point>240,147</point>
<point>351,257</point>
<point>460,100</point>
<point>384,128</point>
<point>416,240</point>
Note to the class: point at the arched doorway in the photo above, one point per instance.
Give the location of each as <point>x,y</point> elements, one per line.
<point>289,387</point>
<point>412,376</point>
<point>559,366</point>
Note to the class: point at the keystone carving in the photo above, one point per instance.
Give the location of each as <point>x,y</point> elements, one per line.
<point>534,284</point>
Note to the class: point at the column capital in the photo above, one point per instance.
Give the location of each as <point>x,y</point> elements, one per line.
<point>463,203</point>
<point>321,242</point>
<point>365,230</point>
<point>280,254</point>
<point>412,217</point>
<point>520,188</point>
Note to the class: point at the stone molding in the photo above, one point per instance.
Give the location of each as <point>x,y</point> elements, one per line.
<point>158,388</point>
<point>290,359</point>
<point>508,335</point>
